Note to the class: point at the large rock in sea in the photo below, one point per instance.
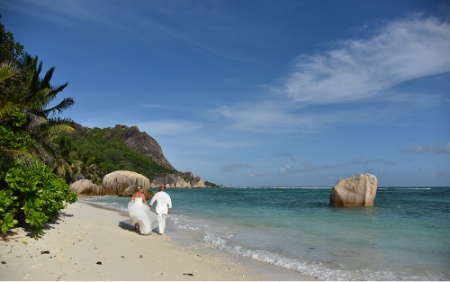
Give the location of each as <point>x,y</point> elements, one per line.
<point>357,190</point>
<point>117,181</point>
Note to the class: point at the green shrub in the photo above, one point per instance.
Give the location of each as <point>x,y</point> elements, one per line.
<point>38,196</point>
<point>8,206</point>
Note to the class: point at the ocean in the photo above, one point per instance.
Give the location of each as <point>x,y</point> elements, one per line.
<point>405,236</point>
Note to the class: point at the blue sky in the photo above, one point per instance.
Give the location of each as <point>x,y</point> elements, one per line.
<point>291,93</point>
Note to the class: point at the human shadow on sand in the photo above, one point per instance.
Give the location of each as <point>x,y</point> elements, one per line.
<point>126,225</point>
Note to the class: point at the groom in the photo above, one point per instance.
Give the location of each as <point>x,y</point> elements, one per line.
<point>163,206</point>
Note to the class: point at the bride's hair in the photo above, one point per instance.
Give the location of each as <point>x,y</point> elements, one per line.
<point>139,187</point>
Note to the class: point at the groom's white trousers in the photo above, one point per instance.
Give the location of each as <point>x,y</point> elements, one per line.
<point>161,222</point>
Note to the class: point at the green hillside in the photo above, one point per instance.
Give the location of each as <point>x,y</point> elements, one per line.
<point>113,154</point>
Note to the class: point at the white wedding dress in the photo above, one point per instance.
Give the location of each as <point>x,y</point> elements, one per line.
<point>141,213</point>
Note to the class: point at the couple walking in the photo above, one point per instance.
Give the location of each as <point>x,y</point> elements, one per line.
<point>141,215</point>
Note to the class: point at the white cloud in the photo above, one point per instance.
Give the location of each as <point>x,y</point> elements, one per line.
<point>361,69</point>
<point>358,70</point>
<point>443,149</point>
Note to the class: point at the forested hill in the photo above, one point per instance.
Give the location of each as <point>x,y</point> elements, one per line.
<point>121,148</point>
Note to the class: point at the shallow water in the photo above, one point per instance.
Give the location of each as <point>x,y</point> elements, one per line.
<point>404,237</point>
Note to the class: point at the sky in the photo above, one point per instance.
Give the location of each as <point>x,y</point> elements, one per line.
<point>255,92</point>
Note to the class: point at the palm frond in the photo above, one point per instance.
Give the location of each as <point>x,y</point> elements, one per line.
<point>63,105</point>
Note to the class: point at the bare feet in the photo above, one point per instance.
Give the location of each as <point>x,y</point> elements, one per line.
<point>160,233</point>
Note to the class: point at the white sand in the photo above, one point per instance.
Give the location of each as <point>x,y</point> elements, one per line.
<point>85,236</point>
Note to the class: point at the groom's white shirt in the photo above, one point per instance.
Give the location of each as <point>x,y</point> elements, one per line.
<point>163,202</point>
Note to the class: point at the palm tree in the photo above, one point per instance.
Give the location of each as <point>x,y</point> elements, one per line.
<point>42,125</point>
<point>88,167</point>
<point>62,166</point>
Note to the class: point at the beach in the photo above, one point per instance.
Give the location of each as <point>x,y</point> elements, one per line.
<point>92,243</point>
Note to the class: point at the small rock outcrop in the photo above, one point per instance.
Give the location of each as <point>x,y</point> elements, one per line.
<point>170,181</point>
<point>86,187</point>
<point>198,182</point>
<point>176,181</point>
<point>116,182</point>
<point>357,190</point>
<point>82,187</point>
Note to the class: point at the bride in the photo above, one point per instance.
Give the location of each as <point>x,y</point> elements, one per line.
<point>143,218</point>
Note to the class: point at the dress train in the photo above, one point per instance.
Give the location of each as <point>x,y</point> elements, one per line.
<point>141,213</point>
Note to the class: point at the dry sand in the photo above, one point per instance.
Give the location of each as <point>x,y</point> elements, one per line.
<point>89,243</point>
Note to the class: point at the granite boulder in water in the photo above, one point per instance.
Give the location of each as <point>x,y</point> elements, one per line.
<point>357,190</point>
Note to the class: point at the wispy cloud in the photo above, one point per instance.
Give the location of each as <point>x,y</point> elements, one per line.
<point>70,13</point>
<point>268,117</point>
<point>256,174</point>
<point>442,149</point>
<point>232,167</point>
<point>287,169</point>
<point>356,70</point>
<point>333,166</point>
<point>192,133</point>
<point>288,155</point>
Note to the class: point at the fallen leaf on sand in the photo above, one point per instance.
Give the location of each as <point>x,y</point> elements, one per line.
<point>45,252</point>
<point>188,274</point>
<point>3,262</point>
<point>99,262</point>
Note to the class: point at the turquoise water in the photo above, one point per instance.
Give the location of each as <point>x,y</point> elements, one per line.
<point>406,236</point>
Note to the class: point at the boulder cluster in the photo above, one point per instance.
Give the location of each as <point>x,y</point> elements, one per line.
<point>124,183</point>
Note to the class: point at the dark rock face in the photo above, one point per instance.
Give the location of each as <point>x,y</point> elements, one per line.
<point>79,128</point>
<point>142,143</point>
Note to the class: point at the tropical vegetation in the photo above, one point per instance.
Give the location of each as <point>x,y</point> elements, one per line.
<point>30,192</point>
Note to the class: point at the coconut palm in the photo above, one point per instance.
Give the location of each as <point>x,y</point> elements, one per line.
<point>88,167</point>
<point>42,125</point>
<point>62,166</point>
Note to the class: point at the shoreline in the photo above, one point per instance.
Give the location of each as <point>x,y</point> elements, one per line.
<point>88,242</point>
